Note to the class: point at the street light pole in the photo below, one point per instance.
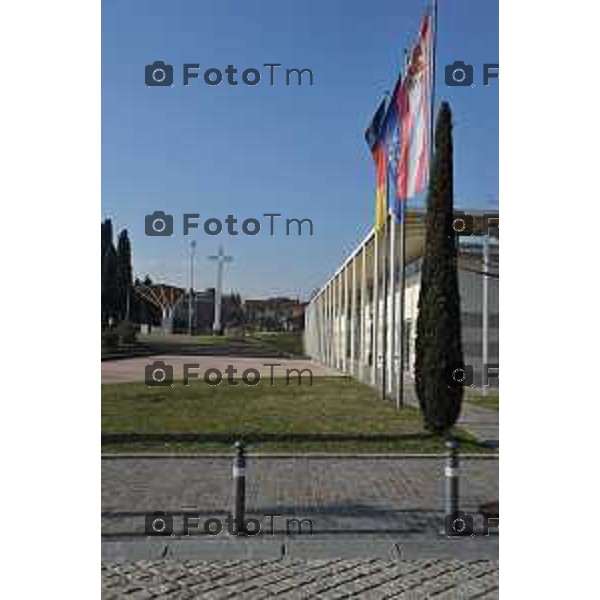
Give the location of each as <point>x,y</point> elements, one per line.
<point>221,259</point>
<point>191,295</point>
<point>484,312</point>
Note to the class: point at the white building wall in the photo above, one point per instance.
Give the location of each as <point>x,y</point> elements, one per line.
<point>329,322</point>
<point>471,303</point>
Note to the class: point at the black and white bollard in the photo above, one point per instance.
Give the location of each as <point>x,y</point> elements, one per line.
<point>451,473</point>
<point>239,487</point>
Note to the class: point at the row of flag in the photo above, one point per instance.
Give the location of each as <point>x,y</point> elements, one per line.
<point>399,133</point>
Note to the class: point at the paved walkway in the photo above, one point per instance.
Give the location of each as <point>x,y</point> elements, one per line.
<point>481,422</point>
<point>133,369</point>
<point>254,580</point>
<point>377,530</point>
<point>368,503</point>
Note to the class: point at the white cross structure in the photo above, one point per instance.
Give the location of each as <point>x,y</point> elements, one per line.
<point>221,259</point>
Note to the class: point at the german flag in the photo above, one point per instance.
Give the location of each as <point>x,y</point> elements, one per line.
<point>380,156</point>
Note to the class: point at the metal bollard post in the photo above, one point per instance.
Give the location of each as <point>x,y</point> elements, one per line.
<point>239,487</point>
<point>451,473</point>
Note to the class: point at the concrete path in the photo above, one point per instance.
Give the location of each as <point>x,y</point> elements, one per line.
<point>133,369</point>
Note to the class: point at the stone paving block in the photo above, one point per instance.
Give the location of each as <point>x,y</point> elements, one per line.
<point>252,580</point>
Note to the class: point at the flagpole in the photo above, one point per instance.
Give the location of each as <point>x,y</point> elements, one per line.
<point>400,398</point>
<point>384,291</point>
<point>385,282</point>
<point>403,336</point>
<point>375,296</point>
<point>392,300</point>
<point>433,65</point>
<point>402,282</point>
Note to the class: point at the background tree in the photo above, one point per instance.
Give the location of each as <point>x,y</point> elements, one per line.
<point>141,312</point>
<point>438,343</point>
<point>109,296</point>
<point>235,310</point>
<point>123,276</point>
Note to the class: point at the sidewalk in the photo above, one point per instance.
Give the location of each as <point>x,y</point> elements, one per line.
<point>358,507</point>
<point>130,370</point>
<point>480,422</point>
<point>295,579</point>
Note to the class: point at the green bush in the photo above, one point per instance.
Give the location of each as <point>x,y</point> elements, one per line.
<point>110,339</point>
<point>125,331</point>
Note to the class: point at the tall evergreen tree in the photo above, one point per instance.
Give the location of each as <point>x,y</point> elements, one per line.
<point>124,276</point>
<point>108,273</point>
<point>438,343</point>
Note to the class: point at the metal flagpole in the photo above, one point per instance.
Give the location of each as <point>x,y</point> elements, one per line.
<point>191,295</point>
<point>402,282</point>
<point>401,259</point>
<point>375,299</point>
<point>485,323</point>
<point>364,350</point>
<point>384,296</point>
<point>432,77</point>
<point>403,335</point>
<point>392,299</point>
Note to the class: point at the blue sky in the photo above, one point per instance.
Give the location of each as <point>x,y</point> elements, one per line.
<point>299,151</point>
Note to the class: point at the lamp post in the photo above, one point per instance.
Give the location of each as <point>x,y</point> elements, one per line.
<point>191,294</point>
<point>221,259</point>
<point>484,312</point>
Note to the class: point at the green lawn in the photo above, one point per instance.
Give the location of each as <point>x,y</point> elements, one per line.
<point>334,415</point>
<point>490,400</point>
<point>182,339</point>
<point>290,342</point>
<point>212,340</point>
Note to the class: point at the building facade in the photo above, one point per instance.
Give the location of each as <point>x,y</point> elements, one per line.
<point>353,322</point>
<point>274,314</point>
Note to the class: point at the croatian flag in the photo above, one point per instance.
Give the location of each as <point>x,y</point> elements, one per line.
<point>413,106</point>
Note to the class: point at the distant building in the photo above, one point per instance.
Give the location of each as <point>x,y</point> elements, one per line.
<point>204,312</point>
<point>274,314</point>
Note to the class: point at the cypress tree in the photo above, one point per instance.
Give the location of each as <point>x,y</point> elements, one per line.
<point>123,275</point>
<point>108,272</point>
<point>438,343</point>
